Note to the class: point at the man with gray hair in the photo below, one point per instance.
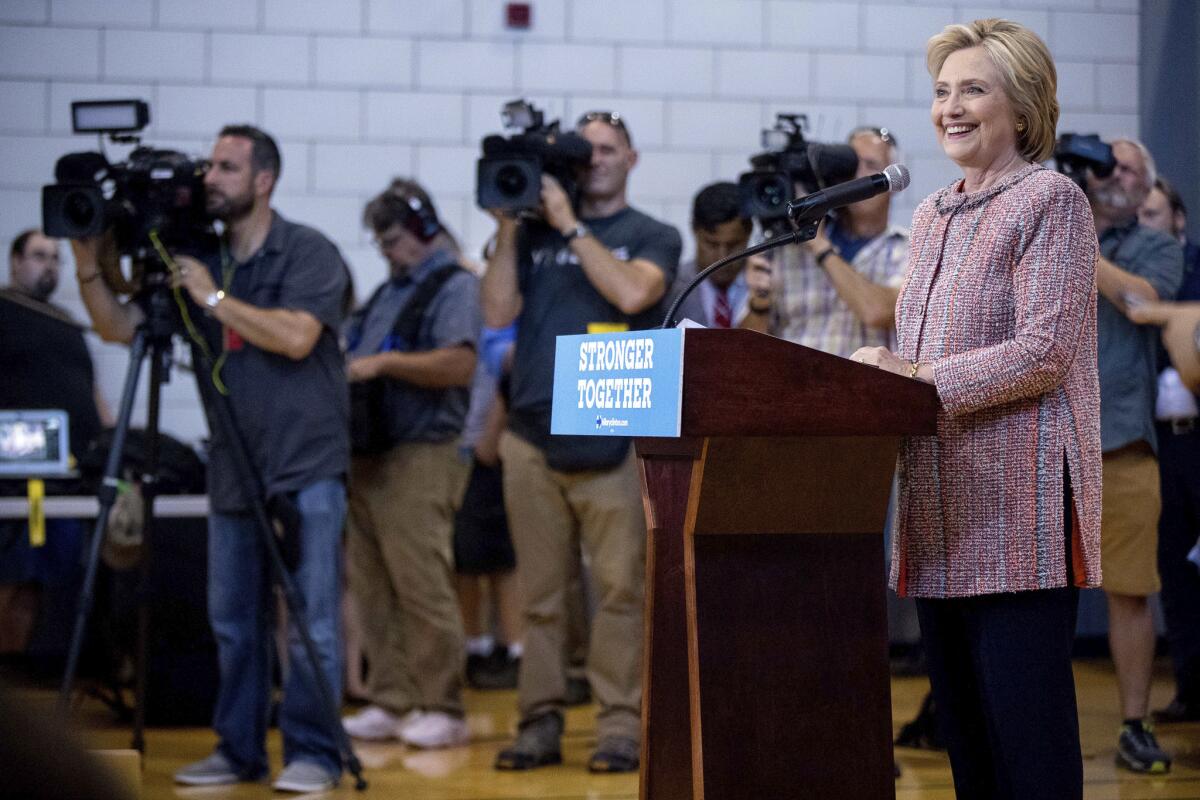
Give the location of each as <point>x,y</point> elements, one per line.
<point>1136,265</point>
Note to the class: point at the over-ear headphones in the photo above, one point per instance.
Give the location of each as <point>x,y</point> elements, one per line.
<point>421,221</point>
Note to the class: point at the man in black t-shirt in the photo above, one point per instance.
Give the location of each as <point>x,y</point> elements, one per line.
<point>43,356</point>
<point>273,304</point>
<point>606,269</point>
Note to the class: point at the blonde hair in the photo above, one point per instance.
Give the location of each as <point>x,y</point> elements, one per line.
<point>1026,71</point>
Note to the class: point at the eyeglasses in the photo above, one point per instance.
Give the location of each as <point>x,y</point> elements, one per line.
<point>612,118</point>
<point>883,133</point>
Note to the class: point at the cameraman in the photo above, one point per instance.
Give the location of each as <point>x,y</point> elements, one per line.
<point>837,292</point>
<point>606,268</point>
<point>1136,265</point>
<point>413,344</point>
<point>273,301</point>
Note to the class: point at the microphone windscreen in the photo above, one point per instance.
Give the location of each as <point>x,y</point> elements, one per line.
<point>898,177</point>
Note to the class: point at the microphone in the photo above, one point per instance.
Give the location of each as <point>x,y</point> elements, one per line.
<point>812,207</point>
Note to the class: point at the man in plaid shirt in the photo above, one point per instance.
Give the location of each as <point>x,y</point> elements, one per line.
<point>837,292</point>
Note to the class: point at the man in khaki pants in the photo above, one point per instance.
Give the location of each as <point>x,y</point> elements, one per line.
<point>412,356</point>
<point>597,265</point>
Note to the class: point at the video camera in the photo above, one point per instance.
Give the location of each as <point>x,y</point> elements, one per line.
<point>790,159</point>
<point>1076,153</point>
<point>509,175</point>
<point>158,192</point>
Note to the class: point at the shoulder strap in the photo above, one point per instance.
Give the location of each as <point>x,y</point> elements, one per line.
<point>408,324</point>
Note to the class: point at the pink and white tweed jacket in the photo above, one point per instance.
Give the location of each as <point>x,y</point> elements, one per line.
<point>1000,298</point>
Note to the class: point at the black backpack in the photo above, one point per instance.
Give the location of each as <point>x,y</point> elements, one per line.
<point>370,425</point>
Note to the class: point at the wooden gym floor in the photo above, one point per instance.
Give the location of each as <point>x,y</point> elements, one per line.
<point>466,773</point>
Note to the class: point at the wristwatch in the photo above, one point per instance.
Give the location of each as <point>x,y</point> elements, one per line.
<point>213,299</point>
<point>578,232</point>
<point>826,253</point>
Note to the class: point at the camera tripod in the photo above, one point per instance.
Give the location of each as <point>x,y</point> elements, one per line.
<point>152,340</point>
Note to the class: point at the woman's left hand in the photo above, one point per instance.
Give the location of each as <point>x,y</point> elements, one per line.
<point>882,358</point>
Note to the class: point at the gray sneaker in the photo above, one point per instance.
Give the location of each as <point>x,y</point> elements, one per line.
<point>304,776</point>
<point>215,770</point>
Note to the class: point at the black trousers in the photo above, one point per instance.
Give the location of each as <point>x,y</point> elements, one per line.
<point>1178,527</point>
<point>1000,668</point>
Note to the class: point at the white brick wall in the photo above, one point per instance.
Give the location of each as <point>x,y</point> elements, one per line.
<point>358,91</point>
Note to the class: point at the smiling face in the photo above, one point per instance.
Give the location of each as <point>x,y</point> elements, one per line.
<point>972,115</point>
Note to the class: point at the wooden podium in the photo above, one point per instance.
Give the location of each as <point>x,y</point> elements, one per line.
<point>765,671</point>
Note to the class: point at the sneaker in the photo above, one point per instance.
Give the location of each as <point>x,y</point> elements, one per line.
<point>615,754</point>
<point>304,776</point>
<point>216,770</point>
<point>1177,711</point>
<point>435,730</point>
<point>375,724</point>
<point>1138,750</point>
<point>538,744</point>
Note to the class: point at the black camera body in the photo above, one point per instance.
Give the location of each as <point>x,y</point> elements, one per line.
<point>509,175</point>
<point>1076,153</point>
<point>153,191</point>
<point>790,159</point>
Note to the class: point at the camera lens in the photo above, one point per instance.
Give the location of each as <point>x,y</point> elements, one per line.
<point>79,210</point>
<point>770,194</point>
<point>511,180</point>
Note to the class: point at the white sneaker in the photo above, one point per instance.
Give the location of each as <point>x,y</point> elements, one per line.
<point>375,724</point>
<point>435,730</point>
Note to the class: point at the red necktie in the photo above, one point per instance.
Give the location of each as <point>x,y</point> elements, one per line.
<point>722,314</point>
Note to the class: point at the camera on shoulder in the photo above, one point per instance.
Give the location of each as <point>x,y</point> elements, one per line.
<point>1077,153</point>
<point>789,160</point>
<point>509,175</point>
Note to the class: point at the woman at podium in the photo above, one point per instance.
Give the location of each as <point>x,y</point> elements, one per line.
<point>999,514</point>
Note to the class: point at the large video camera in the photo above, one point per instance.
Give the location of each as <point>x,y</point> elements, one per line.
<point>509,175</point>
<point>1076,153</point>
<point>154,194</point>
<point>790,159</point>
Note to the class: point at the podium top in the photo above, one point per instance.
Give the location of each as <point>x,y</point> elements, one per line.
<point>744,383</point>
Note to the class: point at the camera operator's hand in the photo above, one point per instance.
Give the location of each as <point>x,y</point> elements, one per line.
<point>556,206</point>
<point>195,278</point>
<point>93,254</point>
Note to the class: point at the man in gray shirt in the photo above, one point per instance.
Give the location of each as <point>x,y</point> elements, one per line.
<point>1136,265</point>
<point>412,348</point>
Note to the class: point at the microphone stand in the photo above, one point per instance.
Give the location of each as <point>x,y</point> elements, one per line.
<point>801,234</point>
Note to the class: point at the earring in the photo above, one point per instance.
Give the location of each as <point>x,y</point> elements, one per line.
<point>1020,126</point>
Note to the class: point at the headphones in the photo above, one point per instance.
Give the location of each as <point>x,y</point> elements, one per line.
<point>420,220</point>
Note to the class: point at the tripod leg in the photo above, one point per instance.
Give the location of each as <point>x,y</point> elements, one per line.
<point>158,368</point>
<point>107,496</point>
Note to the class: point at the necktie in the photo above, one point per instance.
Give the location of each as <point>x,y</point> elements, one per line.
<point>722,314</point>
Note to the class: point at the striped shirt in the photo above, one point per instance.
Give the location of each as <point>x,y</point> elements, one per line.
<point>1000,299</point>
<point>808,309</point>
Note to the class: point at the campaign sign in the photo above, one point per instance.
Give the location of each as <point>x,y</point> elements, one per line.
<point>618,384</point>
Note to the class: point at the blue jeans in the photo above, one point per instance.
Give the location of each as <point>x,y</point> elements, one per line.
<point>241,608</point>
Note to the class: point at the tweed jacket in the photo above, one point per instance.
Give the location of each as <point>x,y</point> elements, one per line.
<point>1000,300</point>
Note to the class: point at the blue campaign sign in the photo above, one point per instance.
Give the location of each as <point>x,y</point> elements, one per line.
<point>622,384</point>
